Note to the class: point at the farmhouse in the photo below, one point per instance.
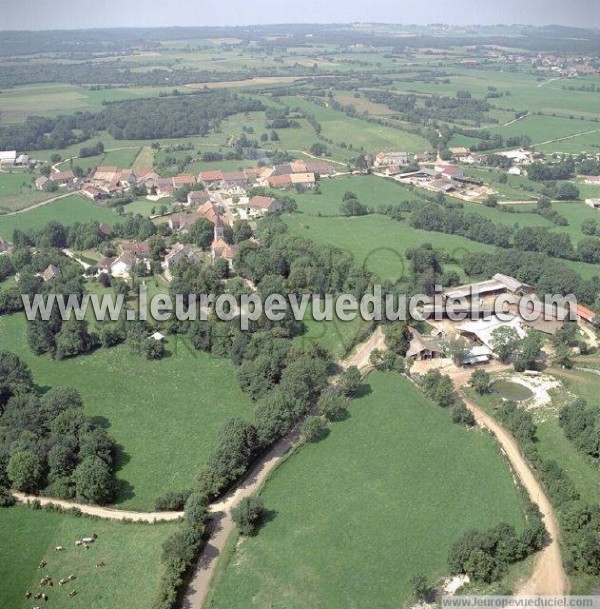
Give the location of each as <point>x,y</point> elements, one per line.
<point>460,152</point>
<point>105,176</point>
<point>481,330</point>
<point>280,181</point>
<point>499,284</point>
<point>449,172</point>
<point>140,249</point>
<point>51,272</point>
<point>183,222</point>
<point>43,183</point>
<point>209,211</point>
<point>387,158</point>
<point>22,159</point>
<point>477,355</point>
<point>197,197</point>
<point>183,181</point>
<point>423,347</point>
<point>586,315</point>
<point>208,178</point>
<point>180,252</point>
<point>307,180</point>
<point>121,266</point>
<point>93,193</point>
<point>62,178</point>
<point>8,157</point>
<point>260,205</point>
<point>321,168</point>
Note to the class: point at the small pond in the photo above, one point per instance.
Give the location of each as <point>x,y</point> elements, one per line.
<point>511,390</point>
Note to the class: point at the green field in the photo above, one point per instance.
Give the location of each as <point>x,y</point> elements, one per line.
<point>17,191</point>
<point>131,553</point>
<point>354,516</point>
<point>74,208</point>
<point>376,241</point>
<point>164,414</point>
<point>371,191</point>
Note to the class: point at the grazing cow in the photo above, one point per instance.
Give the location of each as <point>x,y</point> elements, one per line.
<point>79,543</point>
<point>42,564</point>
<point>73,593</point>
<point>62,582</point>
<point>88,539</point>
<point>71,577</point>
<point>59,548</point>
<point>28,594</point>
<point>38,596</point>
<point>45,597</point>
<point>94,536</point>
<point>100,564</point>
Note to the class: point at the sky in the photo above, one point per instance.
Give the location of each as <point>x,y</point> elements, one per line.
<point>74,14</point>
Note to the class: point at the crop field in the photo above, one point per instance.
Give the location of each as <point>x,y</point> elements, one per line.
<point>164,414</point>
<point>131,553</point>
<point>355,515</point>
<point>70,209</point>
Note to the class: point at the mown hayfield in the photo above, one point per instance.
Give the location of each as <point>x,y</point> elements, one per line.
<point>122,158</point>
<point>354,516</point>
<point>18,192</point>
<point>74,208</point>
<point>371,191</point>
<point>164,414</point>
<point>361,134</point>
<point>376,241</point>
<point>131,553</point>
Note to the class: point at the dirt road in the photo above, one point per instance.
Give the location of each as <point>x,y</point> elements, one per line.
<point>549,577</point>
<point>102,512</point>
<point>223,524</point>
<point>36,205</point>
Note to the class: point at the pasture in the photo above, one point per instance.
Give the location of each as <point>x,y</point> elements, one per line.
<point>131,553</point>
<point>17,191</point>
<point>376,241</point>
<point>164,414</point>
<point>370,190</point>
<point>70,209</point>
<point>354,516</point>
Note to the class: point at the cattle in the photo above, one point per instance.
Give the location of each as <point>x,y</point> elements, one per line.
<point>28,594</point>
<point>88,539</point>
<point>79,543</point>
<point>73,593</point>
<point>100,564</point>
<point>62,582</point>
<point>59,548</point>
<point>42,564</point>
<point>71,577</point>
<point>38,596</point>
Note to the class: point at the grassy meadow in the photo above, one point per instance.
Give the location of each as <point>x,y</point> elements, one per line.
<point>164,415</point>
<point>354,516</point>
<point>67,210</point>
<point>131,553</point>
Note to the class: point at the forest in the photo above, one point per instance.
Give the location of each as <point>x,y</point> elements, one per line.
<point>171,116</point>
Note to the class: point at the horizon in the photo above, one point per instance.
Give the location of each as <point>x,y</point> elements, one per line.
<point>84,15</point>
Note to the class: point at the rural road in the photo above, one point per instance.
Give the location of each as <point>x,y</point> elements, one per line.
<point>36,205</point>
<point>223,524</point>
<point>549,577</point>
<point>102,512</point>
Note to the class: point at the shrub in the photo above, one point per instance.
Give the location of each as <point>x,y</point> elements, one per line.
<point>247,514</point>
<point>173,501</point>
